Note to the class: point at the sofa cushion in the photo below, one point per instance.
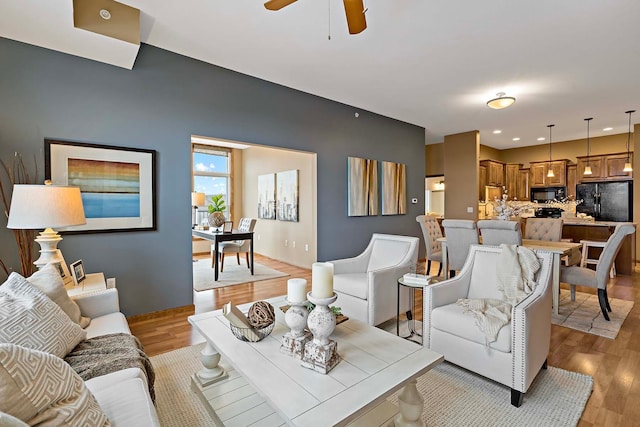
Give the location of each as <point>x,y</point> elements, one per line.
<point>40,389</point>
<point>48,280</point>
<point>136,409</point>
<point>452,320</point>
<point>111,323</point>
<point>30,319</point>
<point>354,284</point>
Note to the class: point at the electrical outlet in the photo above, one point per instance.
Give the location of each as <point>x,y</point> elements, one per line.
<point>293,243</point>
<point>258,236</point>
<point>306,248</point>
<point>470,209</point>
<point>111,282</point>
<point>286,243</point>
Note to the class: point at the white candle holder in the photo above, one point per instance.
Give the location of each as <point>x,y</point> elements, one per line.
<point>321,354</point>
<point>293,342</point>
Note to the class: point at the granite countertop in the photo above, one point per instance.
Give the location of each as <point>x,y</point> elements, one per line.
<point>573,221</point>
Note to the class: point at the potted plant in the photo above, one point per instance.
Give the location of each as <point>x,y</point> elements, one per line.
<point>216,210</point>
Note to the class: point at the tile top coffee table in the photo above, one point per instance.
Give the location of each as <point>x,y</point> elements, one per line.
<point>374,365</point>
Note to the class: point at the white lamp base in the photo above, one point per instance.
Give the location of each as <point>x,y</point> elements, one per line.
<point>48,240</point>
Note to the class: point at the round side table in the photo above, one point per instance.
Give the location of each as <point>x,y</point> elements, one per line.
<point>410,319</point>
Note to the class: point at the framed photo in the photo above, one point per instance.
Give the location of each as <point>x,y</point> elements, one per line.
<point>63,269</point>
<point>287,195</point>
<point>117,184</point>
<point>363,187</point>
<point>77,270</point>
<point>227,227</point>
<point>267,196</point>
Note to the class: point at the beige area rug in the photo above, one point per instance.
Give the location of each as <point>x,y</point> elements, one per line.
<point>453,396</point>
<point>584,314</point>
<point>233,274</point>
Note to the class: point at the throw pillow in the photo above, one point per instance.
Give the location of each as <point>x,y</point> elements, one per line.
<point>7,420</point>
<point>30,319</point>
<point>49,281</point>
<point>41,389</point>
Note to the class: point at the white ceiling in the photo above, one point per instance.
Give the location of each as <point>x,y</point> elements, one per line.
<point>433,63</point>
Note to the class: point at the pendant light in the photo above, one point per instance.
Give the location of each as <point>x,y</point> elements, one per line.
<point>550,173</point>
<point>587,169</point>
<point>627,165</point>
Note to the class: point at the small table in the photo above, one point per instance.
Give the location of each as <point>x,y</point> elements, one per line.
<point>217,236</point>
<point>92,282</point>
<point>374,365</point>
<point>411,322</point>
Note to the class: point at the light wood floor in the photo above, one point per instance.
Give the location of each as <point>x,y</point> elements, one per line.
<point>614,364</point>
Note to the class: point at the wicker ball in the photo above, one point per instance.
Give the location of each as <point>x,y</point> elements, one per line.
<point>261,315</point>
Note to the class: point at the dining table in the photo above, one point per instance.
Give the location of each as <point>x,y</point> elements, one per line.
<point>558,249</point>
<point>218,236</point>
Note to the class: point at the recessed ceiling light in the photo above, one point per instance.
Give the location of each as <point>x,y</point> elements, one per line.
<point>516,139</point>
<point>541,138</point>
<point>497,131</point>
<point>105,14</point>
<point>607,129</point>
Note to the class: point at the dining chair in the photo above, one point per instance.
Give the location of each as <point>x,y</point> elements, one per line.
<point>460,234</point>
<point>598,278</point>
<point>236,246</point>
<point>550,230</point>
<point>431,232</point>
<point>495,232</point>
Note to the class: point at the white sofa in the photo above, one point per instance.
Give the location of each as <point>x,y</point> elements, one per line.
<point>123,395</point>
<point>367,284</point>
<point>521,347</point>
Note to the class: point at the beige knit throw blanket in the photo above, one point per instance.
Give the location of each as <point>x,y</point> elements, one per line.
<point>515,273</point>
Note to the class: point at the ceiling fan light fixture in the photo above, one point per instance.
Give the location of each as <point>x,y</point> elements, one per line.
<point>500,101</point>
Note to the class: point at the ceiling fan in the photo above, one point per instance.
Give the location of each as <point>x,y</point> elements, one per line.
<point>354,9</point>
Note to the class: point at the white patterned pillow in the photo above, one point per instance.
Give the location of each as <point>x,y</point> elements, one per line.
<point>48,280</point>
<point>41,389</point>
<point>30,319</point>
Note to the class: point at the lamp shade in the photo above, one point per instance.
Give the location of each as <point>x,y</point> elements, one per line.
<point>197,199</point>
<point>45,206</point>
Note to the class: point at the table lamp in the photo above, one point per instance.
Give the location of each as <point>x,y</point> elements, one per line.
<point>46,206</point>
<point>197,199</point>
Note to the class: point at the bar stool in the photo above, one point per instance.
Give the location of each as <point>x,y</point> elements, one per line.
<point>586,244</point>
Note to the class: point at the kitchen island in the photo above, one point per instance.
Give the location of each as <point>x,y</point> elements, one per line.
<point>600,231</point>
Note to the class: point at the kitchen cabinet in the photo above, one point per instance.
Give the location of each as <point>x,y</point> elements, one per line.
<point>511,171</point>
<point>482,181</point>
<point>538,173</point>
<point>571,179</point>
<point>495,172</point>
<point>522,192</point>
<point>606,167</point>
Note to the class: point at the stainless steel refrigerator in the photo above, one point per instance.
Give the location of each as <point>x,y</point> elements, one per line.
<point>606,201</point>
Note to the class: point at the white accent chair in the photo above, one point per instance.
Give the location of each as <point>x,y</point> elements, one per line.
<point>237,246</point>
<point>495,232</point>
<point>598,279</point>
<point>367,285</point>
<point>521,348</point>
<point>460,234</point>
<point>431,233</point>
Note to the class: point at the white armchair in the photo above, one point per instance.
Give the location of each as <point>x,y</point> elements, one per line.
<point>367,284</point>
<point>521,348</point>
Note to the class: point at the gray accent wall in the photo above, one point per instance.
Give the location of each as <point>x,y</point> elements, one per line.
<point>158,105</point>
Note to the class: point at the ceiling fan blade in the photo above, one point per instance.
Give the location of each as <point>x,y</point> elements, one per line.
<point>354,9</point>
<point>277,4</point>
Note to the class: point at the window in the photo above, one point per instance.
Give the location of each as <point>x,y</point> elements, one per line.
<point>211,175</point>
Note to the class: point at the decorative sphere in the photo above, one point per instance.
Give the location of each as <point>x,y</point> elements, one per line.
<point>261,314</point>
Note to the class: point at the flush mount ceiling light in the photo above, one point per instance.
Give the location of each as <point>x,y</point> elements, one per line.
<point>515,139</point>
<point>627,165</point>
<point>587,169</point>
<point>500,101</point>
<point>550,173</point>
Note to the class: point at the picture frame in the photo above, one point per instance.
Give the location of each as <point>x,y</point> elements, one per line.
<point>267,196</point>
<point>77,271</point>
<point>117,184</point>
<point>63,269</point>
<point>227,227</point>
<point>394,188</point>
<point>362,180</point>
<point>287,195</point>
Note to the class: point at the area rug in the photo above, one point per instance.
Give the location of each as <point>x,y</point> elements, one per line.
<point>584,314</point>
<point>453,396</point>
<point>233,274</point>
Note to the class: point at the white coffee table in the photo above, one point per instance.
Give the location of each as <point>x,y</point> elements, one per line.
<point>374,365</point>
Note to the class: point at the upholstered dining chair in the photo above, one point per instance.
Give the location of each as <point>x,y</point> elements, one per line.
<point>237,246</point>
<point>495,232</point>
<point>431,233</point>
<point>367,284</point>
<point>598,279</point>
<point>521,346</point>
<point>550,230</point>
<point>460,234</point>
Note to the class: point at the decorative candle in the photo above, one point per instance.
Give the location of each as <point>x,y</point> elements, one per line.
<point>296,290</point>
<point>322,280</point>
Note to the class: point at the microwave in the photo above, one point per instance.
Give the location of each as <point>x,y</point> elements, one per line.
<point>545,194</point>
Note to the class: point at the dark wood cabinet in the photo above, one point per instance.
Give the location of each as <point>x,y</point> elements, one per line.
<point>571,180</point>
<point>605,167</point>
<point>597,168</point>
<point>522,192</point>
<point>495,172</point>
<point>538,174</point>
<point>482,181</point>
<point>511,171</point>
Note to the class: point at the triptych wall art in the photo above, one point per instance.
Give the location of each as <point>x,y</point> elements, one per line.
<point>278,196</point>
<point>364,193</point>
